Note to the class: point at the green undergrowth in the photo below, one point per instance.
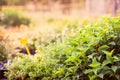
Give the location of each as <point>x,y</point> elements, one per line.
<point>91,54</point>
<point>13,17</point>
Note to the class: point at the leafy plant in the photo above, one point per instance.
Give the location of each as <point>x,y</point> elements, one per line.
<point>91,54</point>
<point>11,17</point>
<point>5,50</point>
<point>26,67</point>
<point>3,55</point>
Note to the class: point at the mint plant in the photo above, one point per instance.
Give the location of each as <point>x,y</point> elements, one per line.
<point>12,17</point>
<point>91,54</point>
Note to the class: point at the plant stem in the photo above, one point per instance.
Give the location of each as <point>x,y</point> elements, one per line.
<point>27,49</point>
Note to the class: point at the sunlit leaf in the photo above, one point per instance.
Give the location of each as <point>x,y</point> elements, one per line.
<point>112,43</point>
<point>104,47</point>
<point>101,75</point>
<point>92,77</point>
<point>108,53</point>
<point>106,62</point>
<point>94,63</point>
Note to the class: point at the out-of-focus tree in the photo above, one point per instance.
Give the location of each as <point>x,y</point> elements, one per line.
<point>112,6</point>
<point>102,7</point>
<point>16,2</point>
<point>66,6</point>
<point>2,2</point>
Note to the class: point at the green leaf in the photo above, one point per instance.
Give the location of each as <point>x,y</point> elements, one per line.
<point>112,43</point>
<point>114,68</point>
<point>88,71</point>
<point>68,74</point>
<point>92,77</point>
<point>106,62</point>
<point>116,58</point>
<point>72,59</point>
<point>104,47</point>
<point>109,54</point>
<point>94,63</point>
<point>118,77</point>
<point>106,70</point>
<point>60,71</point>
<point>91,55</point>
<point>101,75</point>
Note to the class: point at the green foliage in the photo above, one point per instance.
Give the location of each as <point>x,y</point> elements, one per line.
<point>91,54</point>
<point>3,51</point>
<point>13,2</point>
<point>12,17</point>
<point>26,67</point>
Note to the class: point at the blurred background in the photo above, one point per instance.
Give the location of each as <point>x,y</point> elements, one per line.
<point>82,8</point>
<point>21,18</point>
<point>46,20</point>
